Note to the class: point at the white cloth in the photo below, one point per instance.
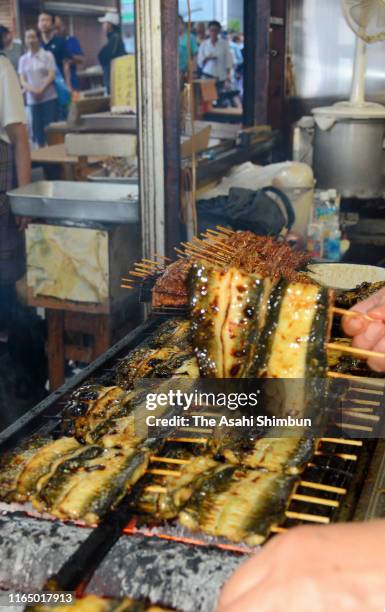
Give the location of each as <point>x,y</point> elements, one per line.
<point>35,68</point>
<point>217,68</point>
<point>11,99</point>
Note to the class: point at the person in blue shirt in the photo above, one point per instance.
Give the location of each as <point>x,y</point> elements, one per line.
<point>56,44</point>
<point>74,50</point>
<point>183,49</point>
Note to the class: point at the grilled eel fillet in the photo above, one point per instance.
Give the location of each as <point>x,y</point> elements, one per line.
<point>244,326</point>
<point>171,337</point>
<point>166,504</point>
<point>12,465</point>
<point>88,484</point>
<point>287,455</point>
<point>298,323</point>
<point>40,463</point>
<point>95,411</point>
<point>228,309</point>
<point>118,417</point>
<point>128,426</point>
<point>73,481</point>
<point>93,603</point>
<point>238,504</point>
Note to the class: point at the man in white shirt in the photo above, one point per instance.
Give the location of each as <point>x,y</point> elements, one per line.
<point>214,56</point>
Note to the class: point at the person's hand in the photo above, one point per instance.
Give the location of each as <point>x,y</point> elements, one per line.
<point>334,567</point>
<point>37,92</point>
<point>22,223</point>
<point>369,335</point>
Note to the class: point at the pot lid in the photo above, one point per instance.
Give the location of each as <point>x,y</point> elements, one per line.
<point>326,116</point>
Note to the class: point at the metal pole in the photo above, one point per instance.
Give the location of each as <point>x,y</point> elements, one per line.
<point>171,124</point>
<point>150,125</point>
<point>257,61</point>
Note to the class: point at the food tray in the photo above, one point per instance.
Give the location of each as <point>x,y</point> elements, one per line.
<point>108,122</point>
<point>101,176</point>
<point>77,201</point>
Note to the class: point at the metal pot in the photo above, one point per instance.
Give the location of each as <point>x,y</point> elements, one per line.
<point>349,157</point>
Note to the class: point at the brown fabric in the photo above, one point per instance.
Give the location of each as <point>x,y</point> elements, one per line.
<point>11,240</point>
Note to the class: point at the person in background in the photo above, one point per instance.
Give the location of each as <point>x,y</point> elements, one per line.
<point>113,48</point>
<point>129,38</point>
<point>236,48</point>
<point>15,170</point>
<point>184,51</point>
<point>56,44</point>
<point>12,47</point>
<point>37,72</point>
<point>74,50</point>
<point>215,58</point>
<point>200,32</point>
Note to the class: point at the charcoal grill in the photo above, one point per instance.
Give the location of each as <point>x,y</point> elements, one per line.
<point>334,487</point>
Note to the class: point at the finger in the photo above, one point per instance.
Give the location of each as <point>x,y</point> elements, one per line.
<point>377,313</point>
<point>377,299</point>
<point>246,577</point>
<point>376,363</point>
<point>353,326</point>
<point>373,333</point>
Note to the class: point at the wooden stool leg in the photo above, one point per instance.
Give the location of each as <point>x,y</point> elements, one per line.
<point>56,373</point>
<point>102,339</point>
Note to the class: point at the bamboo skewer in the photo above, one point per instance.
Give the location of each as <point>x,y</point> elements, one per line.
<point>312,518</point>
<point>154,459</point>
<point>351,313</point>
<point>366,391</point>
<point>333,346</point>
<point>190,440</point>
<point>162,257</point>
<point>364,402</point>
<point>355,427</point>
<point>153,263</point>
<point>161,472</point>
<point>225,230</point>
<point>322,487</point>
<point>322,501</point>
<point>342,441</point>
<point>344,456</point>
<point>360,415</point>
<point>194,250</point>
<point>155,489</point>
<point>278,529</point>
<point>210,247</point>
<point>216,238</point>
<point>378,383</point>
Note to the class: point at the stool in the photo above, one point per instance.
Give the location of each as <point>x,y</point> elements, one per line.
<point>81,336</point>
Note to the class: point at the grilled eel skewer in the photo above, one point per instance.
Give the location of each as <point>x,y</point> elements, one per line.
<point>95,413</point>
<point>93,603</point>
<point>238,504</point>
<point>74,481</point>
<point>245,326</point>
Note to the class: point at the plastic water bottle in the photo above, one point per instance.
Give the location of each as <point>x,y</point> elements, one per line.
<point>333,242</point>
<point>315,240</point>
